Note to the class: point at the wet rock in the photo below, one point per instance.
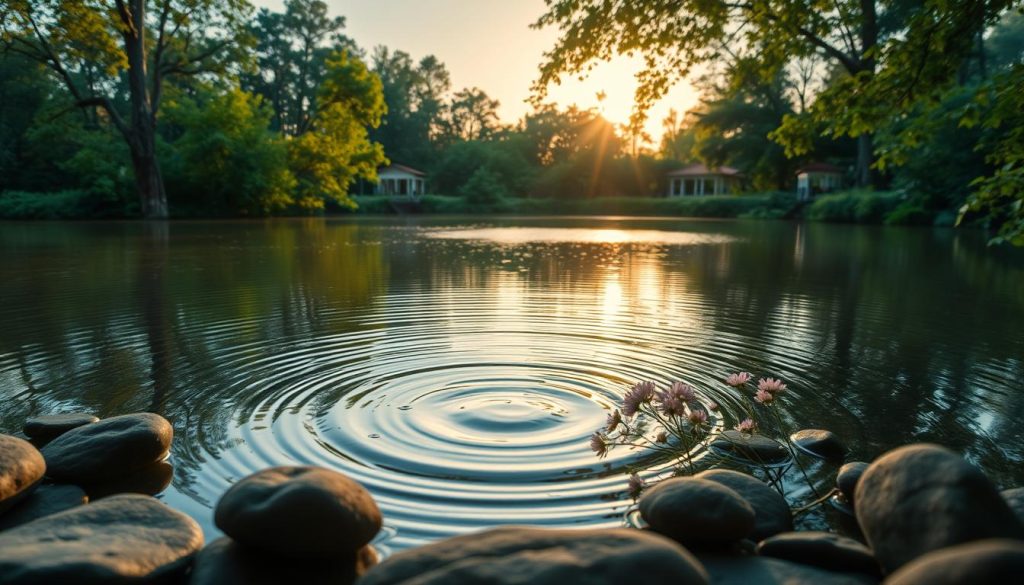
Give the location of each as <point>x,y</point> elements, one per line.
<point>45,500</point>
<point>225,562</point>
<point>985,562</point>
<point>518,555</point>
<point>819,443</point>
<point>301,512</point>
<point>696,511</point>
<point>821,549</point>
<point>1015,498</point>
<point>752,448</point>
<point>50,426</point>
<point>733,570</point>
<point>771,512</point>
<point>122,539</point>
<point>921,498</point>
<point>847,478</point>
<point>112,447</point>
<point>21,468</point>
<point>149,481</point>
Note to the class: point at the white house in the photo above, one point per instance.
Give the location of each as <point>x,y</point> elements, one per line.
<point>815,178</point>
<point>698,179</point>
<point>396,179</point>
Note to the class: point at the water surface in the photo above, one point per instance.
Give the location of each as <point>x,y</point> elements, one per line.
<point>457,367</point>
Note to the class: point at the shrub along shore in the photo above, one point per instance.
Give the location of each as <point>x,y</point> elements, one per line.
<point>76,506</point>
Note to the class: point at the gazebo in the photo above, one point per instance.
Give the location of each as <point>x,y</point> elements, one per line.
<point>396,179</point>
<point>698,179</point>
<point>815,178</point>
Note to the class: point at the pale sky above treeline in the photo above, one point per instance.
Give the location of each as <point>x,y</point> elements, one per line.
<point>489,44</point>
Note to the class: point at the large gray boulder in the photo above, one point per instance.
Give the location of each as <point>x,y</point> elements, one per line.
<point>520,556</point>
<point>771,511</point>
<point>920,498</point>
<point>110,448</point>
<point>225,562</point>
<point>46,500</point>
<point>21,468</point>
<point>300,512</point>
<point>127,539</point>
<point>695,511</point>
<point>984,562</point>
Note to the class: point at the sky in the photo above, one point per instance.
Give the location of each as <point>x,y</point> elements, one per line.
<point>489,44</point>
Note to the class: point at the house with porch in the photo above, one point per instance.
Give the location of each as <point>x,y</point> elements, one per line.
<point>396,179</point>
<point>817,178</point>
<point>698,179</point>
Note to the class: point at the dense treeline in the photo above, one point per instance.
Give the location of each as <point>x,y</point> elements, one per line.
<point>200,107</point>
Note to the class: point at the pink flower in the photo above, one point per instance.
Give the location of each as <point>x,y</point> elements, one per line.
<point>598,444</point>
<point>613,421</point>
<point>636,485</point>
<point>674,400</point>
<point>640,393</point>
<point>684,391</point>
<point>661,438</point>
<point>764,397</point>
<point>738,379</point>
<point>713,406</point>
<point>746,426</point>
<point>770,385</point>
<point>697,417</point>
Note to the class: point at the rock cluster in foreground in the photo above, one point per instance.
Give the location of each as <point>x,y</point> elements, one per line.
<point>928,517</point>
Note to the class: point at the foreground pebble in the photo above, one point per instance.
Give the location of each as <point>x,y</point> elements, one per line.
<point>821,549</point>
<point>517,555</point>
<point>819,443</point>
<point>695,511</point>
<point>847,478</point>
<point>771,511</point>
<point>225,562</point>
<point>920,498</point>
<point>21,468</point>
<point>121,539</point>
<point>737,570</point>
<point>46,500</point>
<point>985,562</point>
<point>1015,498</point>
<point>50,426</point>
<point>112,447</point>
<point>300,512</point>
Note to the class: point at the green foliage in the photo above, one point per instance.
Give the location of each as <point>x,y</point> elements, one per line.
<point>484,187</point>
<point>909,213</point>
<point>53,205</point>
<point>853,207</point>
<point>226,160</point>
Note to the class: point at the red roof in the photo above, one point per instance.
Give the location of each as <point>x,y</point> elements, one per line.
<point>402,168</point>
<point>697,169</point>
<point>820,167</point>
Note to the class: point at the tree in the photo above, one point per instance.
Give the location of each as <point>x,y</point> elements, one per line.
<point>891,53</point>
<point>337,149</point>
<point>472,115</point>
<point>89,44</point>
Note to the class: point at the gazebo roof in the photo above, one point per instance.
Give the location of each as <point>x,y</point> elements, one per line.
<point>700,169</point>
<point>403,169</point>
<point>820,167</point>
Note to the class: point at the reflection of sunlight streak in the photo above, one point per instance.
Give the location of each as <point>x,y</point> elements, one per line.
<point>612,298</point>
<point>580,235</point>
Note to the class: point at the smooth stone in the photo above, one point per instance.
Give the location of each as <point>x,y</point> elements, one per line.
<point>771,511</point>
<point>21,468</point>
<point>753,448</point>
<point>225,562</point>
<point>847,478</point>
<point>824,550</point>
<point>122,539</point>
<point>819,443</point>
<point>1015,498</point>
<point>112,447</point>
<point>920,498</point>
<point>984,562</point>
<point>514,555</point>
<point>736,570</point>
<point>301,512</point>
<point>148,481</point>
<point>46,500</point>
<point>695,511</point>
<point>50,426</point>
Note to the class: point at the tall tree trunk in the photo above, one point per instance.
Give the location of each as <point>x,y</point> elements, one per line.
<point>865,158</point>
<point>148,180</point>
<point>868,42</point>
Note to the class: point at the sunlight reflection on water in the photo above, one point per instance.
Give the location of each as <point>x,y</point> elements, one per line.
<point>525,235</point>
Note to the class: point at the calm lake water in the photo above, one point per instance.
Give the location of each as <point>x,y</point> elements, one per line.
<point>457,367</point>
